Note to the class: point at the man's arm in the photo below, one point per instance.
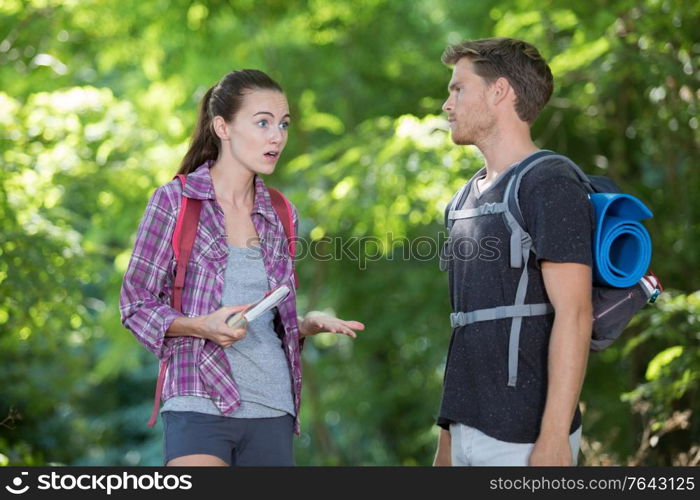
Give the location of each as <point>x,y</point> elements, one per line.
<point>443,455</point>
<point>568,286</point>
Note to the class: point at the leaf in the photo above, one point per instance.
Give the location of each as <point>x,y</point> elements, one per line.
<point>661,360</point>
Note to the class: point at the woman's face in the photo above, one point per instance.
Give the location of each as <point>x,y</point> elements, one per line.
<point>258,132</point>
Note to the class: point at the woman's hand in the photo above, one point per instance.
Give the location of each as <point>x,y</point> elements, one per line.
<point>317,322</point>
<point>213,326</point>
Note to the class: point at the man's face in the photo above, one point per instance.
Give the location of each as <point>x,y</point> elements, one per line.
<point>471,120</point>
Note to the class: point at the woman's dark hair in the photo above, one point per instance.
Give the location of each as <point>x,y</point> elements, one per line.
<point>223,99</point>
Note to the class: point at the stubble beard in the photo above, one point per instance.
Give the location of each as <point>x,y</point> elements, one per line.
<point>475,133</point>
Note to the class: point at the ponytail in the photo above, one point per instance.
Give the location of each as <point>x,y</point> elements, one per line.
<point>204,145</point>
<point>223,99</point>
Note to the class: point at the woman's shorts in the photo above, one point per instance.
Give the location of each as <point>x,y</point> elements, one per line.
<point>236,441</point>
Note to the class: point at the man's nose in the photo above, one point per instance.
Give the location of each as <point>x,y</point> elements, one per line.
<point>447,105</point>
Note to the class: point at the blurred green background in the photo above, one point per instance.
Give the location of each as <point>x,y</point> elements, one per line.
<point>97,100</point>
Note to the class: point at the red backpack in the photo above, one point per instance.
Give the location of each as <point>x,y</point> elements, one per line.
<point>183,241</point>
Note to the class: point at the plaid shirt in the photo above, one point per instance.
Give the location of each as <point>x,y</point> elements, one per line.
<point>199,367</point>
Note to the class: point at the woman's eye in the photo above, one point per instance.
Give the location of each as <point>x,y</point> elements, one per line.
<point>284,125</point>
<point>262,123</point>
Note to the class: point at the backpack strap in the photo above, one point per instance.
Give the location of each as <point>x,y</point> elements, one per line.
<point>513,194</point>
<point>459,199</point>
<point>284,212</point>
<point>520,248</point>
<point>182,242</point>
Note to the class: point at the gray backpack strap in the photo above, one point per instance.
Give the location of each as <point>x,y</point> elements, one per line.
<point>517,311</point>
<point>456,202</point>
<point>520,248</point>
<point>500,312</point>
<point>519,237</point>
<point>520,241</point>
<point>485,209</point>
<point>513,197</point>
<point>514,340</point>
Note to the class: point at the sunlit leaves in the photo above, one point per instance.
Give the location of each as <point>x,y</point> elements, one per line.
<point>64,202</point>
<point>408,162</point>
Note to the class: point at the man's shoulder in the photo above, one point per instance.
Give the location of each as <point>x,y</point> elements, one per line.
<point>551,173</point>
<point>553,186</point>
<point>550,168</point>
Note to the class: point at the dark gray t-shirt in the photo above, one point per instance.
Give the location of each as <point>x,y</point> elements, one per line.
<point>559,217</point>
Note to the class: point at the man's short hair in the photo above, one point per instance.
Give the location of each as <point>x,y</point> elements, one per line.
<point>518,62</point>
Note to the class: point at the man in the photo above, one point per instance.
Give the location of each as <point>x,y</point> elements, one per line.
<point>508,401</point>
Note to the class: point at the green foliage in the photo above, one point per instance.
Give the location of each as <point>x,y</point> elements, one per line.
<point>65,155</point>
<point>96,104</point>
<point>672,377</point>
<point>658,364</point>
<point>409,162</point>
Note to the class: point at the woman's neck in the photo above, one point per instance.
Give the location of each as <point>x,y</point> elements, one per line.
<point>233,184</point>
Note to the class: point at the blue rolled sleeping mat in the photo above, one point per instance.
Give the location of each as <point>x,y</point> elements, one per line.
<point>622,245</point>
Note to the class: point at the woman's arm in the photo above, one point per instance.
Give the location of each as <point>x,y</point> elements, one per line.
<point>211,327</point>
<point>144,300</point>
<point>316,322</point>
<point>147,286</point>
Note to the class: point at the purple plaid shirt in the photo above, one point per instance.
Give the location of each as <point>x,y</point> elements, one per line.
<point>199,367</point>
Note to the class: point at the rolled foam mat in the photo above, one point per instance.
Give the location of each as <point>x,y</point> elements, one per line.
<point>621,245</point>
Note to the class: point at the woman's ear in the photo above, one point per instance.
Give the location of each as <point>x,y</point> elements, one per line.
<point>220,128</point>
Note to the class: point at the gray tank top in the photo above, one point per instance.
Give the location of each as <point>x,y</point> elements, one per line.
<point>258,363</point>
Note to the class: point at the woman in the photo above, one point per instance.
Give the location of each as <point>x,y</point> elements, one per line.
<point>231,395</point>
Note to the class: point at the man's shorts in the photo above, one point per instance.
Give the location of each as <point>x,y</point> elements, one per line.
<point>472,447</point>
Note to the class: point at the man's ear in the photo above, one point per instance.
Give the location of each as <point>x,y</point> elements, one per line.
<point>220,128</point>
<point>501,89</point>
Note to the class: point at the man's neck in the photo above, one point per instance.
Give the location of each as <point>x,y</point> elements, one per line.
<point>504,150</point>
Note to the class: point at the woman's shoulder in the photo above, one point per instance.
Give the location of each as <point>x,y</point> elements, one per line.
<point>167,196</point>
<point>172,187</point>
<point>292,206</point>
